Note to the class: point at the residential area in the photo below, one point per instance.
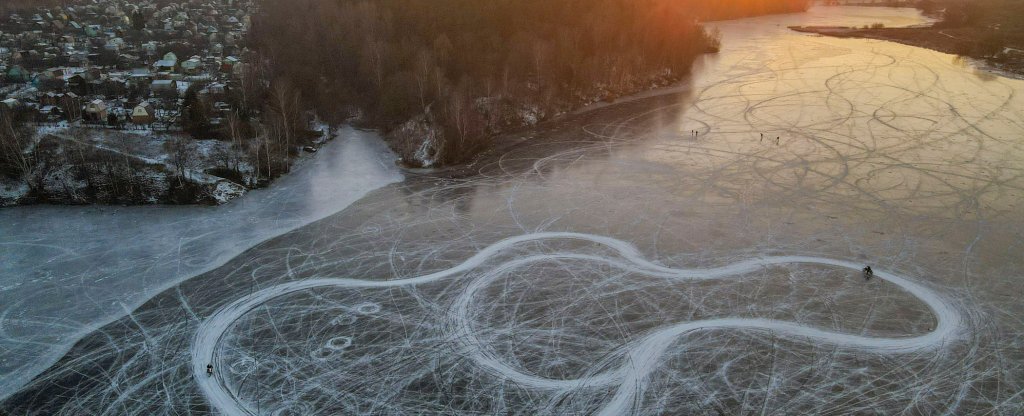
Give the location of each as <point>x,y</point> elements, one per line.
<point>161,87</point>
<point>121,64</point>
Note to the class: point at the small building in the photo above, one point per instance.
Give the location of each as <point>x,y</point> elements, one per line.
<point>149,48</point>
<point>164,65</point>
<point>50,98</point>
<point>140,73</point>
<point>215,90</point>
<point>143,113</point>
<point>164,86</point>
<point>192,66</point>
<point>18,74</point>
<point>96,111</point>
<point>229,63</point>
<point>49,113</point>
<point>114,45</point>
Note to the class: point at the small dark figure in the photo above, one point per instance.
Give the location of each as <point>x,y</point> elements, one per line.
<point>777,139</point>
<point>209,369</point>
<point>868,273</point>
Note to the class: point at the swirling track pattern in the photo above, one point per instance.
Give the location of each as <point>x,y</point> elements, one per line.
<point>642,355</point>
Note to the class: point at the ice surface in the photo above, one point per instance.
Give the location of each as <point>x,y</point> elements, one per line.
<point>639,357</point>
<point>615,262</point>
<point>67,270</point>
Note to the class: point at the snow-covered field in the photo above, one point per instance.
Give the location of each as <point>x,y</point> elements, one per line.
<point>689,253</point>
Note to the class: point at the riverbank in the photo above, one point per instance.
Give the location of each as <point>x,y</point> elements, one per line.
<point>74,164</point>
<point>420,142</point>
<point>999,45</point>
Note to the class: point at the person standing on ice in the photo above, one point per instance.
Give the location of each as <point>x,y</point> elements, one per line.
<point>209,369</point>
<point>868,273</point>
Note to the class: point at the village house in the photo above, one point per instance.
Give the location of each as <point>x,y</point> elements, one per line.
<point>193,66</point>
<point>96,111</point>
<point>163,87</point>
<point>143,114</point>
<point>167,64</point>
<point>49,113</point>
<point>17,73</point>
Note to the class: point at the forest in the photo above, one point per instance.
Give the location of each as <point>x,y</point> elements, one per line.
<point>457,72</point>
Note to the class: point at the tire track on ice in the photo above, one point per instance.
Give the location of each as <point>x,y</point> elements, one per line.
<point>642,355</point>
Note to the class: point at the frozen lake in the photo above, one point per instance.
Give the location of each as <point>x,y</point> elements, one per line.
<point>694,251</point>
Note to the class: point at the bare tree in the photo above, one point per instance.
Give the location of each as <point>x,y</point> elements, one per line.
<point>231,157</point>
<point>373,58</point>
<point>287,113</point>
<point>15,160</point>
<point>464,120</point>
<point>183,156</point>
<point>424,70</point>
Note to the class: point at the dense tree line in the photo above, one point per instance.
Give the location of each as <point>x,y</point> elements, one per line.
<point>438,59</point>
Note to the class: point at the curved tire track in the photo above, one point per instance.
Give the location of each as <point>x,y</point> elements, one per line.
<point>642,355</point>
